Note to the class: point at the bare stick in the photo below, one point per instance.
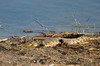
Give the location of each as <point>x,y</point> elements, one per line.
<point>1,27</point>
<point>94,28</point>
<point>37,21</point>
<point>87,24</point>
<point>76,22</point>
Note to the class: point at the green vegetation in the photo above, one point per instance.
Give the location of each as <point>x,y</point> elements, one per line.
<point>79,26</point>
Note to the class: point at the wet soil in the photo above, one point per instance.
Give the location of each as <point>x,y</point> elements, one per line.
<point>62,49</point>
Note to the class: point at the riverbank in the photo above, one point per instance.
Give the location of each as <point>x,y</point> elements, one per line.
<point>53,49</point>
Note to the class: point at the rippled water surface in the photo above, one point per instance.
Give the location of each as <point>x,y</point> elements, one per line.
<point>16,15</point>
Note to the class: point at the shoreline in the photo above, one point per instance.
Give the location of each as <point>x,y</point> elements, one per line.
<point>52,49</point>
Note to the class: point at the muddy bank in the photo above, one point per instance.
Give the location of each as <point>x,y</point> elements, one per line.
<point>55,49</point>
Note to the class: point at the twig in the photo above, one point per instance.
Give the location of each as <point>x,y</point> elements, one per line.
<point>1,27</point>
<point>87,24</point>
<point>94,27</point>
<point>37,21</point>
<point>75,20</point>
<point>77,23</point>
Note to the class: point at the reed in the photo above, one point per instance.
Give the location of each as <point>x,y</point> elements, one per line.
<point>78,26</point>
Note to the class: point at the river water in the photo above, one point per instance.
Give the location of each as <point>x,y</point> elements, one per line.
<point>17,15</point>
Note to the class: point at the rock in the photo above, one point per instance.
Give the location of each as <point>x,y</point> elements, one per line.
<point>2,48</point>
<point>91,49</point>
<point>52,65</point>
<point>42,61</point>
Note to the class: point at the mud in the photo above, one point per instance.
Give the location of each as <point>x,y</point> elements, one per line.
<point>62,49</point>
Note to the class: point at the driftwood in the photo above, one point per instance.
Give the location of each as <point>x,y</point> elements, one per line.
<point>27,31</point>
<point>52,39</point>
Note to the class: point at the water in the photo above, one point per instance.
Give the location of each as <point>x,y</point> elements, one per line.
<point>15,15</point>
